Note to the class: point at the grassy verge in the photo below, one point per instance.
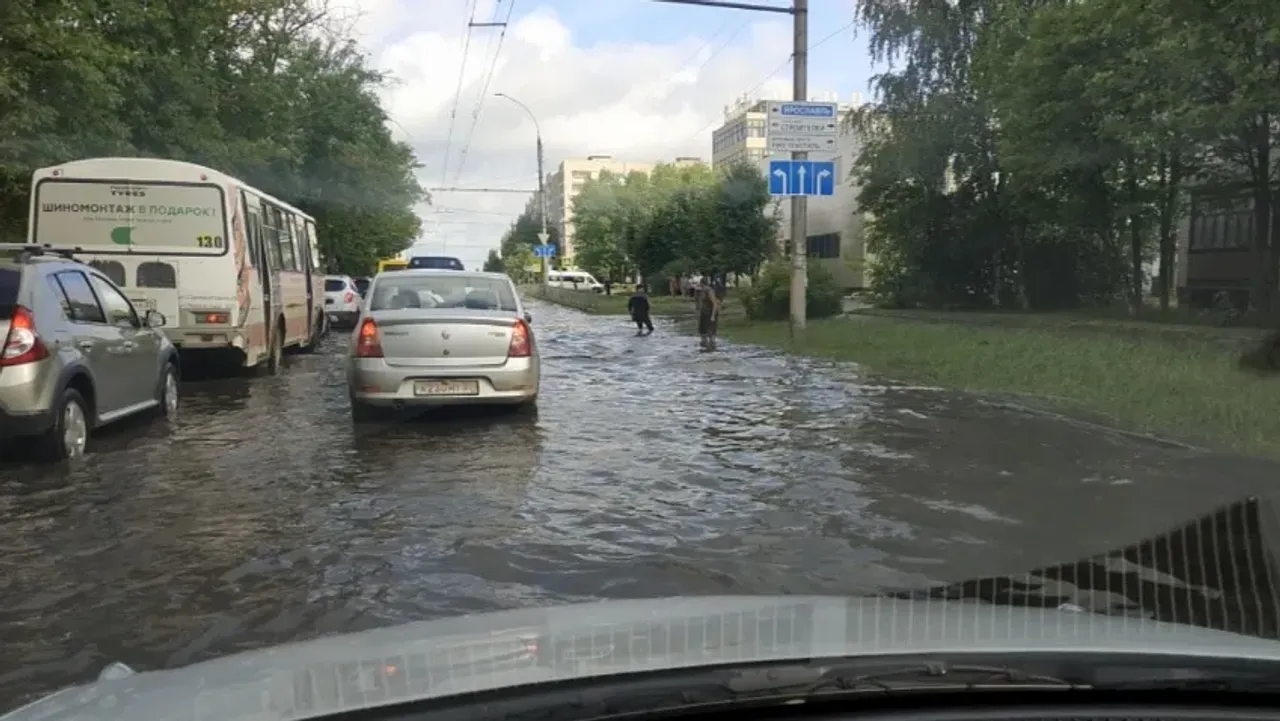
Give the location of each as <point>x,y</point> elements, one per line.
<point>1179,331</point>
<point>1197,394</point>
<point>1188,385</point>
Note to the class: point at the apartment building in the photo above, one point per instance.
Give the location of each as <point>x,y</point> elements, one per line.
<point>566,182</point>
<point>744,134</point>
<point>835,237</point>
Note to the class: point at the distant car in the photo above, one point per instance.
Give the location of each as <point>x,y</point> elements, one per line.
<point>341,301</point>
<point>574,280</point>
<point>438,338</point>
<point>77,355</point>
<point>438,262</point>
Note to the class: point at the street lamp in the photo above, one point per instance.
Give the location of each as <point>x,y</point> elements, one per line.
<point>542,193</point>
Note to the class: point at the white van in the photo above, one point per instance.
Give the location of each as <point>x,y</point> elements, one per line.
<point>574,280</point>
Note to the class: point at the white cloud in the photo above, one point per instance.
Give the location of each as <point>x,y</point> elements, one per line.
<point>638,101</point>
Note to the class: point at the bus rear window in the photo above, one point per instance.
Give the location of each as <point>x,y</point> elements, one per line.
<point>9,281</point>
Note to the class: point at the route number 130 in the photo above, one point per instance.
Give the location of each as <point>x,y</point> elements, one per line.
<point>208,241</point>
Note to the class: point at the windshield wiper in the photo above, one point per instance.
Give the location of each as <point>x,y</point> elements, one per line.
<point>809,679</point>
<point>720,687</point>
<point>1244,682</point>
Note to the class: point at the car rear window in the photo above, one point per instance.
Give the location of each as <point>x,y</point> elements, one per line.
<point>10,279</point>
<point>443,291</point>
<point>436,262</point>
<point>334,285</point>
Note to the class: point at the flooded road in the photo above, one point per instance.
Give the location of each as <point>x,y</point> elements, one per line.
<point>650,470</point>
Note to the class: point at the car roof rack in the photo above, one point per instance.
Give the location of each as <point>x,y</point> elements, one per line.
<point>32,250</point>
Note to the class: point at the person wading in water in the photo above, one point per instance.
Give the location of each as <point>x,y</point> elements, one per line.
<point>638,307</point>
<point>708,314</point>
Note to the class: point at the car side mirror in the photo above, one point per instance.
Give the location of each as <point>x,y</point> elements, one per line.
<point>528,318</point>
<point>154,319</point>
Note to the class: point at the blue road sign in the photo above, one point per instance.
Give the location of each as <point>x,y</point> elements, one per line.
<point>802,177</point>
<point>807,110</point>
<point>544,251</point>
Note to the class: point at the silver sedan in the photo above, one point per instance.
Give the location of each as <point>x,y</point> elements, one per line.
<point>429,338</point>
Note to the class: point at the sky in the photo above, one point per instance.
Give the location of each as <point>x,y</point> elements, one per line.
<point>636,79</point>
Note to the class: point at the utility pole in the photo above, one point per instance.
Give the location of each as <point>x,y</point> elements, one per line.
<point>543,236</point>
<point>799,203</point>
<point>799,12</point>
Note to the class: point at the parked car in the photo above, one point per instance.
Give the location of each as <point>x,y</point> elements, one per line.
<point>441,337</point>
<point>341,301</point>
<point>77,355</point>
<point>439,262</point>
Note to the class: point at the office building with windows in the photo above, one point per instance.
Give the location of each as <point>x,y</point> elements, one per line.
<point>835,224</point>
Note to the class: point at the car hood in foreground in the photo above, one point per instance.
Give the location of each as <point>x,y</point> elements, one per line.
<point>433,659</point>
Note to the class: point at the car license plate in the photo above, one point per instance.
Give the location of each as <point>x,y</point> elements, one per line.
<point>143,304</point>
<point>446,388</point>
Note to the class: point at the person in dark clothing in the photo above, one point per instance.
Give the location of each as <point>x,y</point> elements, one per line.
<point>638,306</point>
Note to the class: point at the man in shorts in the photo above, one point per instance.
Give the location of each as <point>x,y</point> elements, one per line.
<point>708,314</point>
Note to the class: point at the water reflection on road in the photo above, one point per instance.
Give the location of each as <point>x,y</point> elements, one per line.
<point>264,516</point>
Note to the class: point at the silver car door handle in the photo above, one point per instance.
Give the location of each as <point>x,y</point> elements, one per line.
<point>85,345</point>
<point>127,345</point>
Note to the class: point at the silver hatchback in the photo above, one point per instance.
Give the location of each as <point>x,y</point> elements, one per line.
<point>441,337</point>
<point>76,353</point>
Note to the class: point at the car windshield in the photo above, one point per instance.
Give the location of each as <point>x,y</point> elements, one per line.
<point>443,291</point>
<point>333,285</point>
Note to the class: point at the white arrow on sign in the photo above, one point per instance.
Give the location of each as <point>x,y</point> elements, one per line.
<point>801,172</point>
<point>542,238</point>
<point>783,177</point>
<point>822,175</point>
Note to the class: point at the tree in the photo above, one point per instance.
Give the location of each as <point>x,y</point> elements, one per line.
<point>523,233</point>
<point>267,91</point>
<point>597,218</point>
<point>1034,153</point>
<point>678,219</point>
<point>493,263</point>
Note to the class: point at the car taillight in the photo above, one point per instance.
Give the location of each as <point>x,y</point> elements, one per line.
<point>348,297</point>
<point>367,343</point>
<point>23,344</point>
<point>520,346</point>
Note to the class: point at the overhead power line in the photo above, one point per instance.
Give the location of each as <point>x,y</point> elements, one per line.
<point>457,93</point>
<point>484,90</point>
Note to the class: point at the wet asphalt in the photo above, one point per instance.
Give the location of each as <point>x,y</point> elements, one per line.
<point>263,515</point>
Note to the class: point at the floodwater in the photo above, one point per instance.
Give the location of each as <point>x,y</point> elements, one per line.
<point>650,469</point>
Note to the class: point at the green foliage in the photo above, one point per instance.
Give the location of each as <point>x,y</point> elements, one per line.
<point>769,298</point>
<point>523,233</point>
<point>494,263</point>
<point>516,248</point>
<point>267,91</point>
<point>1036,154</point>
<point>680,219</point>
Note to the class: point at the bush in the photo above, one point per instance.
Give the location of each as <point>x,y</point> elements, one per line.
<point>769,297</point>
